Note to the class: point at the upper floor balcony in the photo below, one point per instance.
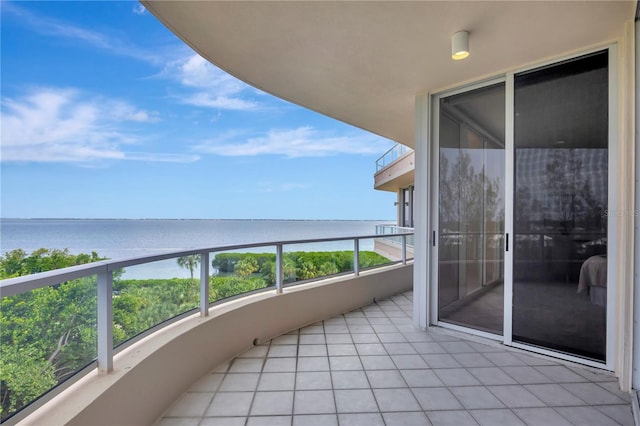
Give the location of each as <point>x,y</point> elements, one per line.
<point>395,169</point>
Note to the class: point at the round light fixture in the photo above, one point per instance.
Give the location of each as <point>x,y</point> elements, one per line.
<point>460,45</point>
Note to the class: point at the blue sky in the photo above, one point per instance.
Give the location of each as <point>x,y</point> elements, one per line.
<point>106,114</point>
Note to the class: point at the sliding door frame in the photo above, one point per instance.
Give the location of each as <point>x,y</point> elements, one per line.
<point>435,200</point>
<point>612,219</point>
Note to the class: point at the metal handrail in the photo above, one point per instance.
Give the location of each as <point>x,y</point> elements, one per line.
<point>105,269</point>
<point>395,229</point>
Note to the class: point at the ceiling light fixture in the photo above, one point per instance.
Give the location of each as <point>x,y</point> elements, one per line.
<point>460,45</point>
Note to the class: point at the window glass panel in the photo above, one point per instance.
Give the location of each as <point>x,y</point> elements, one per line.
<point>561,178</point>
<point>471,213</point>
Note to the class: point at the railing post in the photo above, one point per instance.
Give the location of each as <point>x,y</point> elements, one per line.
<point>204,284</point>
<point>279,272</point>
<point>404,249</point>
<point>356,256</point>
<point>105,321</point>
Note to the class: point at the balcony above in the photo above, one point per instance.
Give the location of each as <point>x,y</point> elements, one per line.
<point>395,169</point>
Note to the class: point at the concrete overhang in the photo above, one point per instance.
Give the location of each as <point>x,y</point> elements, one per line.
<point>364,62</point>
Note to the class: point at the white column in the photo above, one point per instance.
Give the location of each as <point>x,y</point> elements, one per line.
<point>422,240</point>
<point>204,284</point>
<point>105,321</point>
<point>636,272</point>
<point>356,257</point>
<point>279,270</point>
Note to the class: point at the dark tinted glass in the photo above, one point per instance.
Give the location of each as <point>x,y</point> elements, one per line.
<point>471,213</point>
<point>561,178</point>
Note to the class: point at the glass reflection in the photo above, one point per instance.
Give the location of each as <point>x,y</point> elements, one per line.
<point>561,169</point>
<point>471,214</point>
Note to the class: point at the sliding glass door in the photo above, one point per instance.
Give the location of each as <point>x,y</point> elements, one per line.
<point>471,214</point>
<point>554,122</point>
<point>560,205</point>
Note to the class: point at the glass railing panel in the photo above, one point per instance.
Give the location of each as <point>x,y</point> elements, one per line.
<point>397,151</point>
<point>391,245</point>
<point>308,261</point>
<point>241,271</point>
<point>410,245</point>
<point>148,294</point>
<point>386,229</point>
<point>370,258</point>
<point>47,335</point>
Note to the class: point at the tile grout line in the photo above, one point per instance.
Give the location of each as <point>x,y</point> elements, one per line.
<point>363,369</point>
<point>295,377</point>
<point>333,390</point>
<point>253,397</point>
<point>401,376</point>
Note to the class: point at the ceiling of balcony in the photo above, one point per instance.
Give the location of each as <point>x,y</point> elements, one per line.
<point>364,62</point>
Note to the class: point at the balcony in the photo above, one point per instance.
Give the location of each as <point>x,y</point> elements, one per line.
<point>338,350</point>
<point>395,169</point>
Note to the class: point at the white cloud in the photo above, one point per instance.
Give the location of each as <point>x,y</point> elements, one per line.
<point>139,9</point>
<point>123,111</point>
<point>293,143</point>
<point>195,71</point>
<point>67,125</point>
<point>208,86</point>
<point>219,102</point>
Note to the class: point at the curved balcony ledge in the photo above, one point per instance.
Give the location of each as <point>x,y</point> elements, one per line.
<point>151,373</point>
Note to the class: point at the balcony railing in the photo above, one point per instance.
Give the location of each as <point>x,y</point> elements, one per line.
<point>395,241</point>
<point>394,233</point>
<point>397,151</point>
<point>99,290</point>
<point>392,230</point>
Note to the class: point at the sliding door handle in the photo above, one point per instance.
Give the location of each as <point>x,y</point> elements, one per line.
<point>506,245</point>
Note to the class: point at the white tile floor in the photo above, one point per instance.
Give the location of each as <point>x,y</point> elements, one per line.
<point>372,367</point>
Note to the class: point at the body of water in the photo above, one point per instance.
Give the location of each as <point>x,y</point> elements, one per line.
<point>114,238</point>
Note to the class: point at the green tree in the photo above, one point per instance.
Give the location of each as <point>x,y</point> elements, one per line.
<point>307,270</point>
<point>47,333</point>
<point>246,267</point>
<point>191,263</point>
<point>328,268</point>
<point>24,378</point>
<point>16,263</point>
<point>11,263</point>
<point>223,287</point>
<point>268,270</point>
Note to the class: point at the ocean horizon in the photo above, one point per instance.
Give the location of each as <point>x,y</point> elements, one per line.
<point>129,238</point>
